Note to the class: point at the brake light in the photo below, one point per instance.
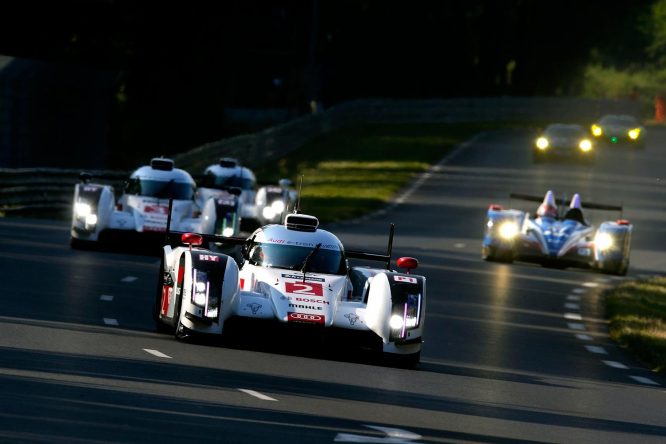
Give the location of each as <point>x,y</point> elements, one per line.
<point>495,207</point>
<point>622,222</point>
<point>191,239</point>
<point>407,262</point>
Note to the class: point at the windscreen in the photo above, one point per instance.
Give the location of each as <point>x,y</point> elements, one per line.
<point>569,132</point>
<point>160,189</point>
<point>211,180</point>
<point>618,121</point>
<point>292,257</point>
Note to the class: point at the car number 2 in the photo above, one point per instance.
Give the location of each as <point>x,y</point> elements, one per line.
<point>310,289</point>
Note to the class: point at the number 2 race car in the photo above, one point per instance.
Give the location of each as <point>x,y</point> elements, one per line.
<point>142,208</point>
<point>557,240</point>
<point>293,273</point>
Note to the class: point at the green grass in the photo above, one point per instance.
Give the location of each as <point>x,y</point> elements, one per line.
<point>355,170</point>
<point>637,314</point>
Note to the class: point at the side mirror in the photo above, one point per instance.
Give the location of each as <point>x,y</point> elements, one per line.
<point>409,263</point>
<point>285,183</point>
<point>191,239</point>
<point>85,177</point>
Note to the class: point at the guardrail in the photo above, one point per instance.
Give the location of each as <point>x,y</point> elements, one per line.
<point>35,190</point>
<point>24,190</point>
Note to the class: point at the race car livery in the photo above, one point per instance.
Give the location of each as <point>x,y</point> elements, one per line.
<point>292,273</point>
<point>143,207</point>
<point>557,240</point>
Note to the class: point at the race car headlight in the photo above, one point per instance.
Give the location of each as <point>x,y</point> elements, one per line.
<point>82,209</point>
<point>228,232</point>
<point>542,143</point>
<point>268,213</point>
<point>278,206</point>
<point>597,131</point>
<point>634,133</point>
<point>603,241</point>
<point>585,145</point>
<point>405,315</point>
<point>508,230</point>
<point>91,219</point>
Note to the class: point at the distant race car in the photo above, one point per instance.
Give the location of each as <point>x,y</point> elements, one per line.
<point>292,274</point>
<point>564,141</point>
<point>141,210</point>
<point>228,175</point>
<point>557,239</point>
<point>274,202</point>
<point>618,129</point>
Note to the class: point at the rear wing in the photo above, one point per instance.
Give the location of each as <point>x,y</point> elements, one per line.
<point>207,237</point>
<point>375,256</point>
<point>564,202</point>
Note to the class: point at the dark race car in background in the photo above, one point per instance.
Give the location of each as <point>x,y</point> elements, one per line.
<point>619,129</point>
<point>564,141</point>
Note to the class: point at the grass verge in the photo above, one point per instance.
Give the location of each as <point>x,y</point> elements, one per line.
<point>355,170</point>
<point>637,314</point>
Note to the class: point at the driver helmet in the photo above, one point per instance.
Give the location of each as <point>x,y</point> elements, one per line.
<point>548,208</point>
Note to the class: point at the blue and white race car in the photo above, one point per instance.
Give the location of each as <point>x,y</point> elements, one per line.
<point>142,208</point>
<point>292,273</point>
<point>557,239</point>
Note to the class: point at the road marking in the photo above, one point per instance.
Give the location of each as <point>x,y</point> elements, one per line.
<point>110,321</point>
<point>391,436</point>
<point>459,245</point>
<point>643,380</point>
<point>591,284</point>
<point>129,279</point>
<point>576,326</point>
<point>257,395</point>
<point>583,337</point>
<point>579,290</point>
<point>572,306</point>
<point>596,349</point>
<point>573,297</point>
<point>157,353</point>
<point>573,316</point>
<point>106,298</point>
<point>615,364</point>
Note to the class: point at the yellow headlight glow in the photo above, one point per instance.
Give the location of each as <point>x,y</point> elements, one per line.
<point>508,230</point>
<point>603,241</point>
<point>585,145</point>
<point>596,130</point>
<point>542,143</point>
<point>634,133</point>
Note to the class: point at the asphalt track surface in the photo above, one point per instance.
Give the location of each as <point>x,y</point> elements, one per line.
<point>513,353</point>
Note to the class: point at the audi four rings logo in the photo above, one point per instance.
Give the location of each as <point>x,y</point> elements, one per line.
<point>306,317</point>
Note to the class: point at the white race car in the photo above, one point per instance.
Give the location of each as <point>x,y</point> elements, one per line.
<point>292,273</point>
<point>274,202</point>
<point>229,176</point>
<point>143,207</point>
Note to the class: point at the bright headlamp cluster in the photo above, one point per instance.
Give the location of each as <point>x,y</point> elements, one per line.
<point>84,211</point>
<point>201,295</point>
<point>508,230</point>
<point>274,209</point>
<point>597,131</point>
<point>542,143</point>
<point>405,316</point>
<point>603,241</point>
<point>634,133</point>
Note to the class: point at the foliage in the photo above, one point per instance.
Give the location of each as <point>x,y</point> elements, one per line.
<point>637,313</point>
<point>354,170</point>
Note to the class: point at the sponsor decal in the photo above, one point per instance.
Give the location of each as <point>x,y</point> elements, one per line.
<point>302,244</point>
<point>306,317</point>
<point>409,279</point>
<point>254,307</point>
<point>352,318</point>
<point>306,307</point>
<point>156,209</point>
<point>209,258</point>
<point>153,228</point>
<point>308,278</point>
<point>225,202</point>
<point>311,301</point>
<point>304,288</point>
